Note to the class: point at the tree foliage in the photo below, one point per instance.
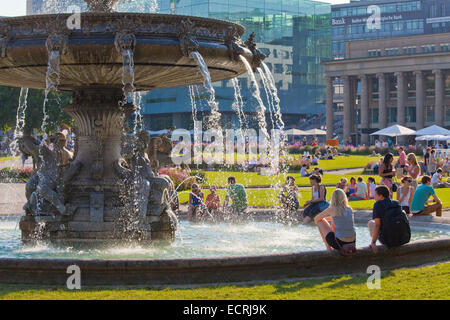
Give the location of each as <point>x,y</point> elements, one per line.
<point>9,102</point>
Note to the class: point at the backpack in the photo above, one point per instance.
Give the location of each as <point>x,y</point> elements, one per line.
<point>396,230</point>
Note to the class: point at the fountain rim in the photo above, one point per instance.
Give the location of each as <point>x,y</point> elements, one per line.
<point>21,19</point>
<point>186,271</point>
<point>443,225</point>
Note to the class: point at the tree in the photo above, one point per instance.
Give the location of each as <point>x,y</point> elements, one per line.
<point>9,101</point>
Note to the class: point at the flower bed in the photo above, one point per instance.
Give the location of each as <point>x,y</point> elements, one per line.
<point>12,175</point>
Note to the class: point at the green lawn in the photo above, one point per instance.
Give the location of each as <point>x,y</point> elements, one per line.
<point>343,162</point>
<point>429,282</point>
<point>7,158</point>
<point>219,178</point>
<point>268,198</point>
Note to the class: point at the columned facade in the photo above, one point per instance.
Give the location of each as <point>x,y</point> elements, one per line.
<point>330,112</point>
<point>439,96</point>
<point>364,109</point>
<point>378,97</point>
<point>404,81</point>
<point>382,111</point>
<point>347,108</point>
<point>420,100</point>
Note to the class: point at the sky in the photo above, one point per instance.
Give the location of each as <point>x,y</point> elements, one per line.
<point>18,7</point>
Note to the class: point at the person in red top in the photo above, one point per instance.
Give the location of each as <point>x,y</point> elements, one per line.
<point>213,201</point>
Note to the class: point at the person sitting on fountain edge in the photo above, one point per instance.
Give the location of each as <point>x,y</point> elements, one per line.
<point>342,217</point>
<point>195,201</point>
<point>421,205</point>
<point>389,222</point>
<point>238,196</point>
<point>213,201</point>
<point>318,201</point>
<point>289,194</point>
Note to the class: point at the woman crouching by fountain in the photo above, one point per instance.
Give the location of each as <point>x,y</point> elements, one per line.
<point>343,237</point>
<point>318,202</point>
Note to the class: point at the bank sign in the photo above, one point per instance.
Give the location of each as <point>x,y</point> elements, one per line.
<point>349,21</point>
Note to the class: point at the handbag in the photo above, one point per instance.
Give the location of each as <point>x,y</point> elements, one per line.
<point>395,187</point>
<point>323,205</point>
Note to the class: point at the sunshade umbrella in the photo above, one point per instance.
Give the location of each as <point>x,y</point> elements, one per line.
<point>394,131</point>
<point>433,130</point>
<point>295,132</point>
<point>315,132</point>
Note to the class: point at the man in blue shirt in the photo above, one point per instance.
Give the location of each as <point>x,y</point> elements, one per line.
<point>421,205</point>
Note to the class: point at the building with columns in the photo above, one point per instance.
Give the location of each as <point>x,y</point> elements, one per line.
<point>404,80</point>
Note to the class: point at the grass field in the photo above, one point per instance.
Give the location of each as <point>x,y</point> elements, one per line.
<point>429,282</point>
<point>7,158</point>
<point>219,178</point>
<point>268,198</point>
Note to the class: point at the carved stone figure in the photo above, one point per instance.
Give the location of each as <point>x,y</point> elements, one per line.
<point>233,42</point>
<point>186,36</point>
<point>258,56</point>
<point>46,184</point>
<point>101,5</point>
<point>159,151</point>
<point>27,145</point>
<point>4,39</point>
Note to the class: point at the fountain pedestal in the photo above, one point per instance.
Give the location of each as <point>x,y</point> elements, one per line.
<point>99,188</point>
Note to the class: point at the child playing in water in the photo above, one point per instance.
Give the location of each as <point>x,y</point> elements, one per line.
<point>213,201</point>
<point>289,195</point>
<point>195,201</point>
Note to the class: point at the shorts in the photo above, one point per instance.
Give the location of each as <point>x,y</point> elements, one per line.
<point>334,242</point>
<point>387,182</point>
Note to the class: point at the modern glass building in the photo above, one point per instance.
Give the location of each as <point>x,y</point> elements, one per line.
<point>398,18</point>
<point>294,35</point>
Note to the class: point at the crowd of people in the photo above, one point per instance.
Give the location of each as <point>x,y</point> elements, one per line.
<point>211,209</point>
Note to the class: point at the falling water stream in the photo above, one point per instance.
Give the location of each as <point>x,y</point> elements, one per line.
<point>261,117</point>
<point>215,116</point>
<point>238,104</point>
<point>272,96</point>
<point>20,120</point>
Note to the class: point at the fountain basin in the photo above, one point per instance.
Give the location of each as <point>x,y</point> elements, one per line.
<point>205,256</point>
<point>90,58</point>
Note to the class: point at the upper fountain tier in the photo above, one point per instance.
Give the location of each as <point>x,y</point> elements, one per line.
<point>91,56</point>
<point>101,5</point>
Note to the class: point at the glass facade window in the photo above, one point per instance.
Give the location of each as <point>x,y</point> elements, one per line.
<point>428,48</point>
<point>407,6</point>
<point>447,85</point>
<point>295,35</point>
<point>409,50</point>
<point>373,115</point>
<point>411,114</point>
<point>429,112</point>
<point>447,113</point>
<point>430,85</point>
<point>391,51</point>
<point>445,46</point>
<point>391,115</point>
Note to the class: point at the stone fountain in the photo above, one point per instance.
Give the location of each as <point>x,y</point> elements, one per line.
<point>104,192</point>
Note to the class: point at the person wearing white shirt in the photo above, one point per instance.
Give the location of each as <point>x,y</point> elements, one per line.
<point>371,186</point>
<point>436,180</point>
<point>304,172</point>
